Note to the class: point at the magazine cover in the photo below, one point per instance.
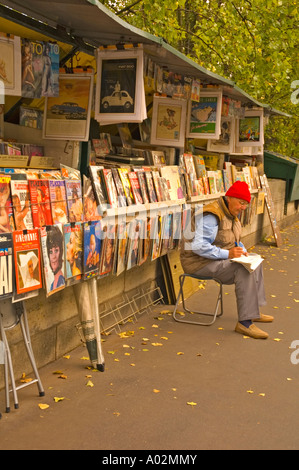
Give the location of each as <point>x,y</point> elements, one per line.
<point>58,202</point>
<point>92,248</point>
<point>157,185</point>
<point>21,202</point>
<point>150,186</point>
<point>108,247</point>
<point>123,173</point>
<point>122,238</point>
<point>27,259</point>
<point>143,187</point>
<point>73,246</point>
<point>99,186</point>
<point>90,206</point>
<point>110,188</point>
<point>6,213</point>
<point>135,187</point>
<point>133,243</point>
<point>6,265</point>
<point>40,69</point>
<point>40,203</point>
<point>166,243</point>
<point>52,246</point>
<point>171,174</point>
<point>74,200</point>
<point>156,237</point>
<point>122,201</point>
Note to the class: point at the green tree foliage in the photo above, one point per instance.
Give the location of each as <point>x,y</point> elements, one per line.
<point>252,42</point>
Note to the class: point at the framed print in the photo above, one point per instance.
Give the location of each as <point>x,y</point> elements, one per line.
<point>120,95</point>
<point>204,116</point>
<point>225,143</point>
<point>10,64</point>
<point>67,117</point>
<point>168,122</point>
<point>250,129</point>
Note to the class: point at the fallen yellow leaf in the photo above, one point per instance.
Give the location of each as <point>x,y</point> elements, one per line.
<point>43,406</point>
<point>191,403</point>
<point>157,344</point>
<point>250,391</point>
<point>180,354</point>
<point>67,357</point>
<point>156,391</point>
<point>90,384</point>
<point>58,399</point>
<point>262,394</point>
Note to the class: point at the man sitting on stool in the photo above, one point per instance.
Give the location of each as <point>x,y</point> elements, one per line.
<point>216,241</point>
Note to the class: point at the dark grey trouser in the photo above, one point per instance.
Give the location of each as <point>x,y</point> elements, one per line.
<point>249,287</point>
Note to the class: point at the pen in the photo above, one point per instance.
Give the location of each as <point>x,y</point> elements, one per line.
<point>236,244</point>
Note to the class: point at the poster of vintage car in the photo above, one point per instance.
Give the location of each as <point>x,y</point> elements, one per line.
<point>120,93</point>
<point>68,115</point>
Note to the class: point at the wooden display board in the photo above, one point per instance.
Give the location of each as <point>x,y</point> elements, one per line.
<point>271,209</point>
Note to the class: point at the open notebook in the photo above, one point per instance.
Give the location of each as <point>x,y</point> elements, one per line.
<point>250,262</point>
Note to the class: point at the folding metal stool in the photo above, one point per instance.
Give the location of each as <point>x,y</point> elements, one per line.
<point>11,314</point>
<point>219,301</point>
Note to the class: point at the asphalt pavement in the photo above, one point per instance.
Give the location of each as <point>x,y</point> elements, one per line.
<point>169,386</point>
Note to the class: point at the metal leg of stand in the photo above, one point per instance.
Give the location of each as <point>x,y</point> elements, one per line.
<point>8,370</point>
<point>95,300</point>
<point>27,341</point>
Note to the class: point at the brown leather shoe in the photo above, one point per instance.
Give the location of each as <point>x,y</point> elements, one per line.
<point>253,331</point>
<point>264,318</point>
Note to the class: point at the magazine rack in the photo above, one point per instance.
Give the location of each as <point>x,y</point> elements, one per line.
<point>12,314</point>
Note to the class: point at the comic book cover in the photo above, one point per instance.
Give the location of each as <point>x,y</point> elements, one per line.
<point>21,202</point>
<point>123,173</point>
<point>150,186</point>
<point>73,247</point>
<point>40,202</point>
<point>6,213</point>
<point>143,187</point>
<point>40,69</point>
<point>27,260</point>
<point>52,247</point>
<point>90,206</point>
<point>135,187</point>
<point>92,248</point>
<point>122,201</point>
<point>110,188</point>
<point>58,202</point>
<point>108,246</point>
<point>74,200</point>
<point>99,186</point>
<point>6,265</point>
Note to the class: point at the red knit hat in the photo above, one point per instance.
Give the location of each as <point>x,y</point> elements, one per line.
<point>239,190</point>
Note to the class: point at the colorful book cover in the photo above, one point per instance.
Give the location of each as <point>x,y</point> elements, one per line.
<point>21,202</point>
<point>73,246</point>
<point>123,173</point>
<point>122,242</point>
<point>156,237</point>
<point>108,247</point>
<point>189,163</point>
<point>135,187</point>
<point>122,201</point>
<point>157,185</point>
<point>52,247</point>
<point>92,248</point>
<point>40,203</point>
<point>6,212</point>
<point>143,187</point>
<point>150,186</point>
<point>200,166</point>
<point>99,186</point>
<point>90,206</point>
<point>110,188</point>
<point>58,202</point>
<point>6,265</point>
<point>74,200</point>
<point>171,174</point>
<point>133,244</point>
<point>27,260</point>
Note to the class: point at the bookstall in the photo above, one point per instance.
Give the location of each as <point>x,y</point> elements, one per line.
<point>101,163</point>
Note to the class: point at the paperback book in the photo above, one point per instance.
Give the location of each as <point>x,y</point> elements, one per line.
<point>40,203</point>
<point>99,186</point>
<point>58,202</point>
<point>52,247</point>
<point>27,260</point>
<point>110,188</point>
<point>135,187</point>
<point>143,187</point>
<point>92,248</point>
<point>122,200</point>
<point>150,186</point>
<point>123,173</point>
<point>6,265</point>
<point>21,202</point>
<point>90,206</point>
